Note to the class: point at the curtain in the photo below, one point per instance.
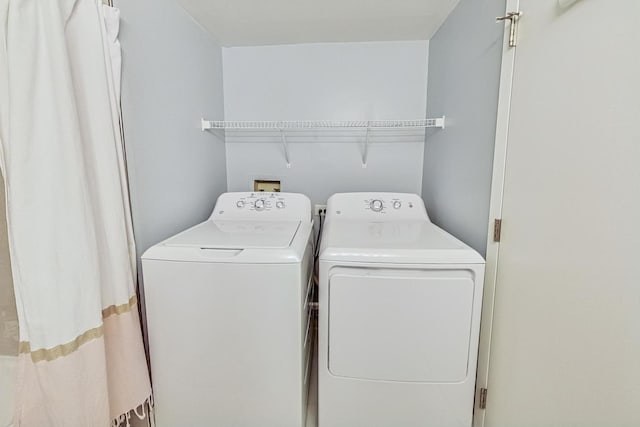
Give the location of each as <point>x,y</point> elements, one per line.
<point>81,360</point>
<point>8,322</point>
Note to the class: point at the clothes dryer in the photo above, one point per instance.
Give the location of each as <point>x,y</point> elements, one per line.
<point>399,316</point>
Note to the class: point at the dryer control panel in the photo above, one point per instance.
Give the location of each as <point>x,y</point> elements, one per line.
<point>262,206</point>
<point>376,206</point>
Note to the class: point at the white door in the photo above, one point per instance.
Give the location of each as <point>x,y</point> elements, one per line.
<point>565,341</point>
<point>406,325</point>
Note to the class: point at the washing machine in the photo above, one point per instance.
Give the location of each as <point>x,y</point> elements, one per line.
<point>228,315</point>
<point>399,316</point>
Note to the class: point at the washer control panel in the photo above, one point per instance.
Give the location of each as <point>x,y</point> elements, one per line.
<point>262,205</point>
<point>376,206</point>
<point>261,201</point>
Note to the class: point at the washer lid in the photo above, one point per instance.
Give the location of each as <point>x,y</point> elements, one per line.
<point>238,235</point>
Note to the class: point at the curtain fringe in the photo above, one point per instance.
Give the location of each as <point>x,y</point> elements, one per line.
<point>141,411</point>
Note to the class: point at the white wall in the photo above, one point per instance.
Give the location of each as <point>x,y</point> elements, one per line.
<point>464,74</point>
<point>172,76</point>
<point>339,81</point>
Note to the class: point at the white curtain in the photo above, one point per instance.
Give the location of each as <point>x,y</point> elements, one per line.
<point>81,360</point>
<point>8,323</point>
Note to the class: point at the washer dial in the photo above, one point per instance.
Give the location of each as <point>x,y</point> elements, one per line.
<point>259,204</point>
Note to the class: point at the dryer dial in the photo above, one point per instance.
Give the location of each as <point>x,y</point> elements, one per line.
<point>376,205</point>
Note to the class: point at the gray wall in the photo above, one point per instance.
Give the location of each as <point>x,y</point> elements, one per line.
<point>327,81</point>
<point>172,76</point>
<point>464,73</point>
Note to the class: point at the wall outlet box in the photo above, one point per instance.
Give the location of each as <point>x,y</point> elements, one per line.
<point>269,186</point>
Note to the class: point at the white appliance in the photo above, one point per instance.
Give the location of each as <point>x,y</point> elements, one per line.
<point>228,316</point>
<point>399,313</point>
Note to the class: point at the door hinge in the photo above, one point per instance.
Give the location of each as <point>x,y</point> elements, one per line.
<point>513,18</point>
<point>482,401</point>
<point>497,229</point>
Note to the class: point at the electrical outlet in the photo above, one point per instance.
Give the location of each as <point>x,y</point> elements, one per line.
<point>317,209</point>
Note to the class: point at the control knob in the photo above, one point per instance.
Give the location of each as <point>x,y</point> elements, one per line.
<point>279,204</point>
<point>397,204</point>
<point>259,204</point>
<point>376,205</point>
<point>240,203</point>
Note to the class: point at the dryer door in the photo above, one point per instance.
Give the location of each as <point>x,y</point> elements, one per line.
<point>400,324</point>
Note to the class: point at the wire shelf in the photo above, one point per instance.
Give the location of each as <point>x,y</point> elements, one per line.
<point>322,124</point>
<point>289,125</point>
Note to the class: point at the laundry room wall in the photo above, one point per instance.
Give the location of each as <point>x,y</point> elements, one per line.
<point>464,74</point>
<point>330,81</point>
<point>172,76</point>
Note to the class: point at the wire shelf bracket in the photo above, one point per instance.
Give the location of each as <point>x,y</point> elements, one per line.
<point>365,153</point>
<point>285,146</point>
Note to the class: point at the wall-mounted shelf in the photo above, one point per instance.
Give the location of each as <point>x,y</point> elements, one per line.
<point>284,126</point>
<point>322,124</point>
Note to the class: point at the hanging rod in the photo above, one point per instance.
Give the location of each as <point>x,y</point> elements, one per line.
<point>322,124</point>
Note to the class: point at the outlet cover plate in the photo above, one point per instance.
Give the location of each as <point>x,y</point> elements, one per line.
<point>318,208</point>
